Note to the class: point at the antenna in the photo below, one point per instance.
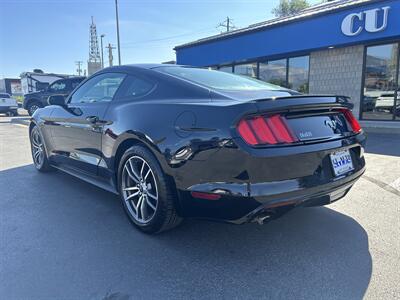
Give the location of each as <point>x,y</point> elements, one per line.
<point>94,62</point>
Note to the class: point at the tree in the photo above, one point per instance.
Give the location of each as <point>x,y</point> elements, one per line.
<point>289,7</point>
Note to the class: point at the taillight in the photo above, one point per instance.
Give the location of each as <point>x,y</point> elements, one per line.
<point>262,130</point>
<point>352,120</point>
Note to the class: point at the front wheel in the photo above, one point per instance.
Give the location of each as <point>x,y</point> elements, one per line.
<point>146,196</point>
<point>32,107</point>
<point>39,156</point>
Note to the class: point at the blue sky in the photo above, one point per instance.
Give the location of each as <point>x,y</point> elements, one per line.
<point>53,34</point>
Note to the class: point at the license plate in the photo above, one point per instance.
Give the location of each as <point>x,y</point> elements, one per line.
<point>341,162</point>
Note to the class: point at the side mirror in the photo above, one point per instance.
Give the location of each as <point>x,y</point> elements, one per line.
<point>56,100</point>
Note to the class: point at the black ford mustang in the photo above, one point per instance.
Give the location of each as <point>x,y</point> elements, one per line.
<point>179,142</point>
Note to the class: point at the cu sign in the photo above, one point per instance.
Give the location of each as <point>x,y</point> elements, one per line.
<point>354,24</point>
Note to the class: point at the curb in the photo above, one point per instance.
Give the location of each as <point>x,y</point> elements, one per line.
<point>382,130</point>
<point>22,121</point>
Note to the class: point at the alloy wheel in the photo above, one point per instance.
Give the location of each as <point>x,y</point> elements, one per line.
<point>33,108</point>
<point>37,147</point>
<point>139,189</point>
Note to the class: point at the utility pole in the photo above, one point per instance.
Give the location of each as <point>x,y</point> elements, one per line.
<point>110,55</point>
<point>101,45</point>
<point>79,64</point>
<point>228,24</point>
<point>118,44</point>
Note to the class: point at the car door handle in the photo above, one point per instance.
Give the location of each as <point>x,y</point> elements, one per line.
<point>92,119</point>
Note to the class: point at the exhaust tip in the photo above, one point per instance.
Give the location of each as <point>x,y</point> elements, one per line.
<point>261,220</point>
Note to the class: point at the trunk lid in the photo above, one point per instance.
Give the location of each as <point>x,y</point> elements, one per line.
<point>329,125</point>
<point>298,120</point>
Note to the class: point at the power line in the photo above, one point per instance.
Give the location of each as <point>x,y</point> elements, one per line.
<point>168,37</point>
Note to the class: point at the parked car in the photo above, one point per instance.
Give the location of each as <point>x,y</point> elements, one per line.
<point>35,100</point>
<point>385,102</point>
<point>8,105</point>
<point>369,103</point>
<point>177,142</point>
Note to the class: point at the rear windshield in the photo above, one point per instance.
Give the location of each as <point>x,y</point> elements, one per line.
<point>4,96</point>
<point>219,80</point>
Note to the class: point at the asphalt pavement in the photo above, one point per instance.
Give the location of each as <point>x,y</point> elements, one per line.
<point>61,238</point>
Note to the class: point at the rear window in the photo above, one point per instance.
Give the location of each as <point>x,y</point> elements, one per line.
<point>134,87</point>
<point>4,96</point>
<point>219,80</point>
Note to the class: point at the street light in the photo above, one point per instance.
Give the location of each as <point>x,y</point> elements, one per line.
<point>119,47</point>
<point>101,44</point>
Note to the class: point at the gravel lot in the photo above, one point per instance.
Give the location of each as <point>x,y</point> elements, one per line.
<point>61,238</point>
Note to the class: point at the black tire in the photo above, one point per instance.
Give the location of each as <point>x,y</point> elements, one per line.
<point>37,141</point>
<point>33,106</point>
<point>164,215</point>
<point>13,113</point>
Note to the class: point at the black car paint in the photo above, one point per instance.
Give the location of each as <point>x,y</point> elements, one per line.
<point>41,97</point>
<point>192,132</point>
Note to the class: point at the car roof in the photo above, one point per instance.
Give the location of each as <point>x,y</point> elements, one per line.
<point>140,66</point>
<point>75,78</point>
<point>152,66</point>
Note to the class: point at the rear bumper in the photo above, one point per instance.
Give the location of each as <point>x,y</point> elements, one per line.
<point>251,185</point>
<point>4,109</point>
<point>248,201</point>
<point>317,196</point>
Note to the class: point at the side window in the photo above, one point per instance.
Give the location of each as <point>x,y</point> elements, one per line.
<point>58,86</point>
<point>100,88</point>
<point>74,84</point>
<point>134,87</point>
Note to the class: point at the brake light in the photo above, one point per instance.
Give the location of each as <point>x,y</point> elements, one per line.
<point>266,130</point>
<point>352,120</point>
<point>246,133</point>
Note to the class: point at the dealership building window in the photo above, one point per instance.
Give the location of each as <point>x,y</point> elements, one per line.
<point>246,69</point>
<point>227,69</point>
<point>397,107</point>
<point>299,68</point>
<point>290,72</point>
<point>274,71</point>
<point>381,83</point>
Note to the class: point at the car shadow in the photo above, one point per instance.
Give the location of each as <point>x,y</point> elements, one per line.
<point>64,237</point>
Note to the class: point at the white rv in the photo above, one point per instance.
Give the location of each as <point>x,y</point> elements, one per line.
<point>38,80</point>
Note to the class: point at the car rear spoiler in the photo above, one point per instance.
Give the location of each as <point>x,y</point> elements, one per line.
<point>302,102</point>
